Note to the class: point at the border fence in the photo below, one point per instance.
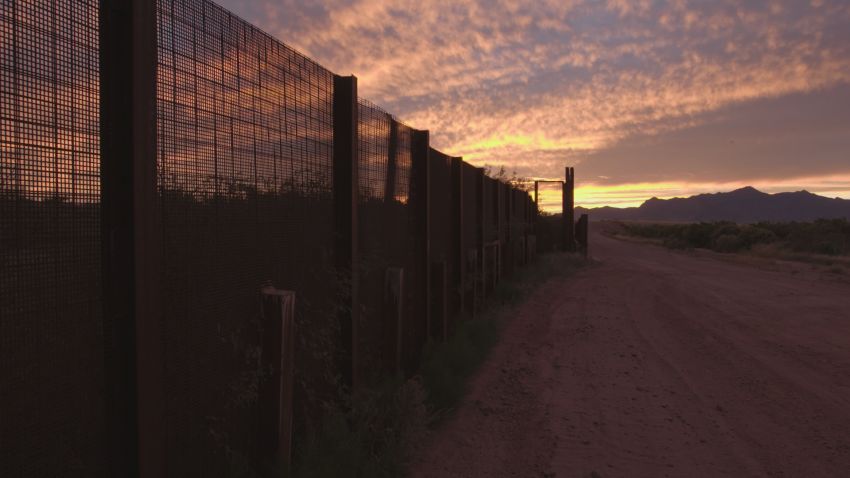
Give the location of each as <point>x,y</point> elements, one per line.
<point>167,171</point>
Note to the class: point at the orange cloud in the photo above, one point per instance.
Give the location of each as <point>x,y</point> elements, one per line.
<point>537,85</point>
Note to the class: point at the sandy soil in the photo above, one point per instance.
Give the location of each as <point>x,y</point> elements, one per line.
<point>653,363</point>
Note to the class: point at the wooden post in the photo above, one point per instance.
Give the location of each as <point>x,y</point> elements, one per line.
<point>276,389</point>
<point>345,196</point>
<point>131,239</point>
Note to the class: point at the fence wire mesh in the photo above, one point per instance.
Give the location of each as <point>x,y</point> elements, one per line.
<point>245,188</point>
<point>373,129</point>
<point>51,330</point>
<point>387,238</point>
<point>471,234</point>
<point>443,233</point>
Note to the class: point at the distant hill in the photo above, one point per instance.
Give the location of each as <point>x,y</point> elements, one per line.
<point>741,205</point>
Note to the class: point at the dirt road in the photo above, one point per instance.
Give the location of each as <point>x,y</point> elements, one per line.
<point>654,363</point>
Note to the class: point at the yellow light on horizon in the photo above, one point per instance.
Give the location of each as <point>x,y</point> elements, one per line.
<point>591,195</point>
<point>531,143</point>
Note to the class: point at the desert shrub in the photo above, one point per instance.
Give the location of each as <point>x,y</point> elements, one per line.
<point>369,434</point>
<point>827,247</point>
<point>676,242</point>
<point>823,236</point>
<point>699,235</point>
<point>728,243</point>
<point>650,231</point>
<point>751,235</point>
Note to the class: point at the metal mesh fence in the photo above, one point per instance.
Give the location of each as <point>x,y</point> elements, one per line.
<point>404,163</point>
<point>373,129</point>
<point>244,161</point>
<point>471,234</point>
<point>443,233</point>
<point>245,147</point>
<point>499,211</point>
<point>519,209</point>
<point>51,331</point>
<point>490,233</point>
<point>491,209</point>
<point>387,239</point>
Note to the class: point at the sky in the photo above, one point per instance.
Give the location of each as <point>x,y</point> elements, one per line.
<point>644,98</point>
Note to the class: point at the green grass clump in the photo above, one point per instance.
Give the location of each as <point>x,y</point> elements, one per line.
<point>371,434</point>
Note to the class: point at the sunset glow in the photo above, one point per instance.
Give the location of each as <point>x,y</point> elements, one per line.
<point>644,98</point>
<point>634,194</point>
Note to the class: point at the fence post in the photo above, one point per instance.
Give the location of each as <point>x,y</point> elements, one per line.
<point>507,256</point>
<point>497,206</point>
<point>131,237</point>
<point>536,194</point>
<point>420,205</point>
<point>276,389</point>
<point>567,215</point>
<point>459,268</point>
<point>481,280</point>
<point>345,195</point>
<point>392,160</point>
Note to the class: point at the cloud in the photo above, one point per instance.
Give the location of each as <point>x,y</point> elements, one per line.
<point>797,135</point>
<point>536,85</point>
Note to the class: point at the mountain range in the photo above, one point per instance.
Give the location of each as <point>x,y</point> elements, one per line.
<point>741,205</point>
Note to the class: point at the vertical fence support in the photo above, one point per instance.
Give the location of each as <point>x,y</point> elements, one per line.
<point>345,190</point>
<point>507,256</point>
<point>481,280</point>
<point>568,214</point>
<point>537,195</point>
<point>420,206</point>
<point>276,389</point>
<point>458,252</point>
<point>497,206</point>
<point>536,207</point>
<point>392,161</point>
<point>131,235</point>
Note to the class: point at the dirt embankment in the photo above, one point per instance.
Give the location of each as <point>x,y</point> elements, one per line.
<point>654,363</point>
